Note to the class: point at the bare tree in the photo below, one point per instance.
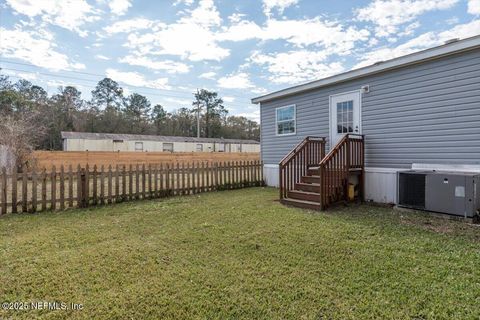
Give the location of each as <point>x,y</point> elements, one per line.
<point>18,138</point>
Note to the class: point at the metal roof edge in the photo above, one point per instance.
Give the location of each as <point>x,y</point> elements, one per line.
<point>413,58</point>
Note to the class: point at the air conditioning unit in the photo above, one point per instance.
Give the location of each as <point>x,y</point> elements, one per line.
<point>454,193</point>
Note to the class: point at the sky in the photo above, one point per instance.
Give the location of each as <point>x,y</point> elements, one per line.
<point>166,50</point>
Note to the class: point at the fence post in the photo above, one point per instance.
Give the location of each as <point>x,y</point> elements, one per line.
<point>34,190</point>
<point>216,175</point>
<point>83,189</point>
<point>62,187</point>
<point>53,189</point>
<point>24,189</point>
<point>4,191</point>
<point>14,190</point>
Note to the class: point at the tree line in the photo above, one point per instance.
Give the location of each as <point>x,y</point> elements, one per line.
<point>109,110</point>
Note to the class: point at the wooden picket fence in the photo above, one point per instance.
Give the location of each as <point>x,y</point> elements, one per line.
<point>65,188</point>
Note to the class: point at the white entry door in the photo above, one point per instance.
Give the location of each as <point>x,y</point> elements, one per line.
<point>345,111</point>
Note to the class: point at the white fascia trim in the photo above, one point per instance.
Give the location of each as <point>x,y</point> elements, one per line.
<point>428,54</point>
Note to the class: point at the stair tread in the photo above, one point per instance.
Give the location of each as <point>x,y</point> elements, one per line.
<point>309,184</point>
<point>305,192</point>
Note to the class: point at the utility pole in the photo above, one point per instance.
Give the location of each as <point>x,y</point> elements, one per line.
<point>198,115</point>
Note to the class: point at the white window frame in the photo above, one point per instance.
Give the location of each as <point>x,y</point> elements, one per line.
<point>294,120</point>
<point>221,147</point>
<point>138,143</point>
<point>169,143</point>
<point>197,147</point>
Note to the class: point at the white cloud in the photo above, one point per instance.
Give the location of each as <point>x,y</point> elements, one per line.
<point>119,7</point>
<point>228,99</point>
<point>301,33</point>
<point>253,115</point>
<point>424,41</point>
<point>102,57</point>
<point>191,37</point>
<point>185,2</point>
<point>279,5</point>
<point>235,81</point>
<point>137,80</point>
<point>130,25</point>
<point>208,75</point>
<point>205,15</point>
<point>68,14</point>
<point>388,15</point>
<point>167,65</point>
<point>35,47</point>
<point>240,30</point>
<point>296,66</point>
<point>179,102</point>
<point>474,7</point>
<point>410,29</point>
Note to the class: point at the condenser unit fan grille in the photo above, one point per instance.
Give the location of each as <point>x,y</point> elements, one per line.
<point>412,190</point>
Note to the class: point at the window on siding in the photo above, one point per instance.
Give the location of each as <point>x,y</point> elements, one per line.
<point>345,116</point>
<point>138,146</point>
<point>167,147</point>
<point>286,123</point>
<point>199,147</point>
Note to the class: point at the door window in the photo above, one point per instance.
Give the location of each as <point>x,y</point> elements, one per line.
<point>345,116</point>
<point>345,111</point>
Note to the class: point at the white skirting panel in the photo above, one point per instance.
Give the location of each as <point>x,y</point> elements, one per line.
<point>381,185</point>
<point>270,175</point>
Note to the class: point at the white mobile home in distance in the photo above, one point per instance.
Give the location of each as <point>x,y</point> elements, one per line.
<point>85,141</point>
<point>419,111</point>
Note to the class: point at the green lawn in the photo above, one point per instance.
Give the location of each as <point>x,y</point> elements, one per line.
<point>240,254</point>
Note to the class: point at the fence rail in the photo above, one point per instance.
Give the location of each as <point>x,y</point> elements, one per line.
<point>59,189</point>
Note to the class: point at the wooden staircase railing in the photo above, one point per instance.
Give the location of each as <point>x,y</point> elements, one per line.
<point>309,152</point>
<point>346,156</point>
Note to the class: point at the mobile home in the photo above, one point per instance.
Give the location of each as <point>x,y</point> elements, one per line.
<point>86,141</point>
<point>364,126</point>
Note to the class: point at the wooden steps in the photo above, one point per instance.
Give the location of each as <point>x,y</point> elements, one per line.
<point>310,179</point>
<point>304,195</point>
<point>309,187</point>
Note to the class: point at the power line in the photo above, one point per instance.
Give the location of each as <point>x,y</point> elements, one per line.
<point>102,76</point>
<point>95,82</point>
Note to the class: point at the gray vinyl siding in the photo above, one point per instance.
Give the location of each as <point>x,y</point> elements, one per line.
<point>425,113</point>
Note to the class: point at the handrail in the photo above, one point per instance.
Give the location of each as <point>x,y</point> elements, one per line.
<point>295,164</point>
<point>299,145</point>
<point>348,153</point>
